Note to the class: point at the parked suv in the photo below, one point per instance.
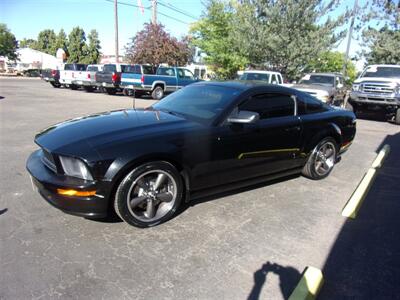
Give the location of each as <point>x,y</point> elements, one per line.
<point>378,88</point>
<point>327,87</point>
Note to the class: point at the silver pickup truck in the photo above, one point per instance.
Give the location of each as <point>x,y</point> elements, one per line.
<point>378,88</point>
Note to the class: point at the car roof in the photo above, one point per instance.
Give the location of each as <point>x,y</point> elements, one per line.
<point>245,85</point>
<point>261,72</point>
<point>391,66</point>
<point>326,74</point>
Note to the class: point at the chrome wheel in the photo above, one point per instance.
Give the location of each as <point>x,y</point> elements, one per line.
<point>325,158</point>
<point>152,195</point>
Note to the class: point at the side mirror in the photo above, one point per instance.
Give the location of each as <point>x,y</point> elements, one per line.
<point>274,82</point>
<point>339,86</point>
<point>244,117</point>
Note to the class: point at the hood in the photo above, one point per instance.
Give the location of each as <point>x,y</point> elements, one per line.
<point>98,129</point>
<point>394,80</point>
<point>313,88</point>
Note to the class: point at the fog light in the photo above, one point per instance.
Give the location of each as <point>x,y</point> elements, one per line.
<point>75,193</point>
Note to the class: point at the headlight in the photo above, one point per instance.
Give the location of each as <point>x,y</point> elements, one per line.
<point>355,87</point>
<point>75,168</point>
<point>397,90</point>
<point>324,97</point>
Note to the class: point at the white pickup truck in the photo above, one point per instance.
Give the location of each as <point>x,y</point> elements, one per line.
<point>68,74</point>
<point>87,79</point>
<point>378,88</point>
<point>259,75</point>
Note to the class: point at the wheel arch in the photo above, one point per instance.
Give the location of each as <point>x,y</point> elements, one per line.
<point>331,130</point>
<point>159,83</point>
<point>116,174</point>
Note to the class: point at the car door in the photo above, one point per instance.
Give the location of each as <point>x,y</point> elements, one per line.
<point>244,151</point>
<point>185,77</point>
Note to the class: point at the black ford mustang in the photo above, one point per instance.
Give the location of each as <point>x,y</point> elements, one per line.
<point>204,138</point>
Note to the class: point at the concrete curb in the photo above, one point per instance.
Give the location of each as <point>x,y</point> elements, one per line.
<point>309,285</point>
<point>352,206</point>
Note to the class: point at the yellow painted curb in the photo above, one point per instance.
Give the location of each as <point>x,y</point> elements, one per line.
<point>309,285</point>
<point>352,206</point>
<point>380,158</point>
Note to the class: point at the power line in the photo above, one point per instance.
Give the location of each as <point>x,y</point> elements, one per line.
<point>149,8</point>
<point>178,10</point>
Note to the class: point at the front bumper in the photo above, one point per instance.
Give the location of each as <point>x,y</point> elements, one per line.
<point>375,99</point>
<point>47,183</point>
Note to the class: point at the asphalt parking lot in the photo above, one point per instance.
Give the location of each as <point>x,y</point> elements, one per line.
<point>253,243</point>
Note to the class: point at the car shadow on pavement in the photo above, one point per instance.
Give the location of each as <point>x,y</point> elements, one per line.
<point>364,262</point>
<point>288,278</point>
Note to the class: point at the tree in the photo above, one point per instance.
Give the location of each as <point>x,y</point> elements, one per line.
<point>76,45</point>
<point>383,42</point>
<point>61,41</point>
<point>8,43</point>
<point>153,45</point>
<point>46,42</point>
<point>284,34</point>
<point>92,50</point>
<point>27,43</point>
<point>214,35</point>
<point>330,61</point>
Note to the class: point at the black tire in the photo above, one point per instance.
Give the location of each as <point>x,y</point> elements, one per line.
<point>88,89</point>
<point>111,91</point>
<point>397,117</point>
<point>157,93</point>
<point>325,162</point>
<point>55,84</point>
<point>73,87</point>
<point>140,186</point>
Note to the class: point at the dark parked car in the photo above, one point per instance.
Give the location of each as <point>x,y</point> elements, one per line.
<point>204,138</point>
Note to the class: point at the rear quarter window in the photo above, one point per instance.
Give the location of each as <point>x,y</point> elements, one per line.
<point>110,68</point>
<point>92,69</point>
<point>307,104</point>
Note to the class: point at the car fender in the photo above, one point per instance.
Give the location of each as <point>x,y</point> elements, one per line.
<point>330,130</point>
<point>158,82</point>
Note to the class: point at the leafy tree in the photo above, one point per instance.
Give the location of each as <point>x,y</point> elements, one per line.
<point>330,61</point>
<point>61,41</point>
<point>8,43</point>
<point>27,43</point>
<point>153,45</point>
<point>285,34</point>
<point>214,34</point>
<point>383,42</point>
<point>46,42</point>
<point>92,50</point>
<point>76,45</point>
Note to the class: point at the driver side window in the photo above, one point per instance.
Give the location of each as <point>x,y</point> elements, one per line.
<point>270,105</point>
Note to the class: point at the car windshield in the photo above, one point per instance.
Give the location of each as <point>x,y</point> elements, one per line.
<point>381,72</point>
<point>198,103</point>
<point>318,79</point>
<point>255,76</point>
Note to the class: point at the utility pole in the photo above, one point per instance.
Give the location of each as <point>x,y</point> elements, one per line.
<point>346,57</point>
<point>116,30</point>
<point>154,9</point>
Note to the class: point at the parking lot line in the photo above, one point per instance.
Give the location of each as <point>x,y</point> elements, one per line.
<point>309,285</point>
<point>352,206</point>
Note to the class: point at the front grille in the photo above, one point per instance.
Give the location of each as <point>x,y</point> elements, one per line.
<point>48,161</point>
<point>377,88</point>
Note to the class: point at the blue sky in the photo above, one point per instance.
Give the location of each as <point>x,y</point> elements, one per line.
<point>26,18</point>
